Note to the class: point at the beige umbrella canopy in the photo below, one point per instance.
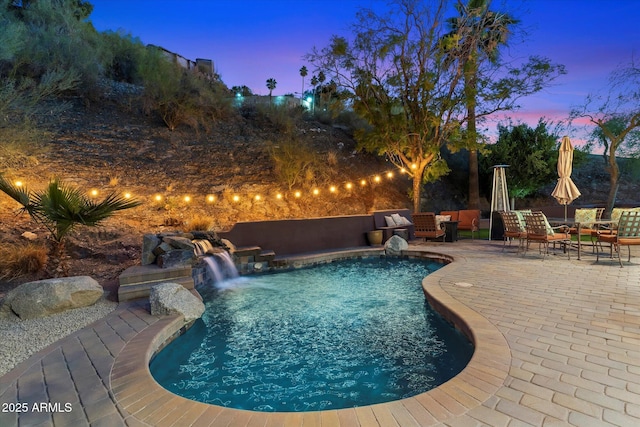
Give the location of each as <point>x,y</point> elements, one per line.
<point>565,191</point>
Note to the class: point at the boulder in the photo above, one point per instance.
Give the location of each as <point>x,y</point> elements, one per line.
<point>179,242</point>
<point>149,243</point>
<point>46,297</point>
<point>175,258</point>
<point>173,298</point>
<point>395,245</point>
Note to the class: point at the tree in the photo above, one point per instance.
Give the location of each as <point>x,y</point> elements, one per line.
<point>314,83</point>
<point>243,90</point>
<point>532,154</point>
<point>303,73</point>
<point>478,34</point>
<point>400,85</point>
<point>271,85</point>
<point>61,209</point>
<point>409,87</point>
<point>616,116</point>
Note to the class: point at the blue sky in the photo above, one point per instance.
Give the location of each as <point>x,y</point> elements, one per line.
<point>250,41</point>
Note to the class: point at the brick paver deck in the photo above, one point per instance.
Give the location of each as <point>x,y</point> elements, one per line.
<point>557,343</point>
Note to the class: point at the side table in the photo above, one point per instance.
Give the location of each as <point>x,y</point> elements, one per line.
<point>450,231</point>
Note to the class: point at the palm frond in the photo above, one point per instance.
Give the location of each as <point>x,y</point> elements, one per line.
<point>19,194</point>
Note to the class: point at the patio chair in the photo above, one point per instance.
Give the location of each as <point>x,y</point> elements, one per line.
<point>627,234</point>
<point>425,226</point>
<point>513,229</point>
<point>539,230</point>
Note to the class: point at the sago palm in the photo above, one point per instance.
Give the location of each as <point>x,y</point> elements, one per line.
<point>61,208</point>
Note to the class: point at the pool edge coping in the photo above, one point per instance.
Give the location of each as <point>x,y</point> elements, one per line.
<point>142,399</point>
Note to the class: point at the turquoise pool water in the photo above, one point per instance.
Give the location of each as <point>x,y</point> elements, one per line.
<point>345,334</point>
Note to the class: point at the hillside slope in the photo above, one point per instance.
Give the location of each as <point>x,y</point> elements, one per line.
<point>108,148</point>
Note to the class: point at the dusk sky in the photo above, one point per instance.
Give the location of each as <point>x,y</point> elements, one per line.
<point>251,41</point>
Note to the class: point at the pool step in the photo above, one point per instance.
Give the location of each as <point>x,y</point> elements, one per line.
<point>136,282</point>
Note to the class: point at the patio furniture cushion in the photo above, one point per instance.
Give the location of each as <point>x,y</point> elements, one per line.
<point>585,217</point>
<point>400,220</point>
<point>440,219</point>
<point>390,222</point>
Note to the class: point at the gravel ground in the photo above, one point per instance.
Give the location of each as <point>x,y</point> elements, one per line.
<point>22,338</point>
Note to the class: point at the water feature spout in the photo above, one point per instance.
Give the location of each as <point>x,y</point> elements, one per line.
<point>218,262</point>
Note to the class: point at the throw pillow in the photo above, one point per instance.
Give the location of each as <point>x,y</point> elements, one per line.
<point>390,222</point>
<point>397,218</point>
<point>440,219</point>
<point>586,217</point>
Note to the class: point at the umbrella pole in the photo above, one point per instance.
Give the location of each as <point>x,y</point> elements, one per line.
<point>565,212</point>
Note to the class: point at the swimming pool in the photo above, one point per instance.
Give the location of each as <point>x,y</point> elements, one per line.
<point>344,334</point>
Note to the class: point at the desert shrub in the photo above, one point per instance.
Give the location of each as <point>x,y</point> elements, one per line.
<point>199,223</point>
<point>21,142</point>
<point>123,55</point>
<point>20,259</point>
<point>281,117</point>
<point>59,44</point>
<point>295,163</point>
<point>180,96</point>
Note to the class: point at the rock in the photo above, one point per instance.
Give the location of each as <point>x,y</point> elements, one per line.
<point>29,235</point>
<point>395,245</point>
<point>162,248</point>
<point>179,242</point>
<point>149,243</point>
<point>173,298</point>
<point>176,257</point>
<point>46,297</point>
<point>228,244</point>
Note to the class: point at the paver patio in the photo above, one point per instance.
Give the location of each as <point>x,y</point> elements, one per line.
<point>558,344</point>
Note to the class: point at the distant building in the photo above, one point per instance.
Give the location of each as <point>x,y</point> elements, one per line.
<point>203,66</point>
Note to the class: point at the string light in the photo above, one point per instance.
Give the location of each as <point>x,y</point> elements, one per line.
<point>18,183</point>
<point>211,198</point>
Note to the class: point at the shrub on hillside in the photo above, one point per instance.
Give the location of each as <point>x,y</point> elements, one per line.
<point>123,55</point>
<point>180,96</point>
<point>20,259</point>
<point>199,223</point>
<point>296,164</point>
<point>60,46</point>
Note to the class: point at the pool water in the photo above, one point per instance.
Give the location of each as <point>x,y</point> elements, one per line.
<point>339,335</point>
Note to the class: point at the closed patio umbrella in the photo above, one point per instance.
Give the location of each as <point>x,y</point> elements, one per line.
<point>565,191</point>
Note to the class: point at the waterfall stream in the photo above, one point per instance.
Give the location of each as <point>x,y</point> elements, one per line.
<point>219,263</point>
